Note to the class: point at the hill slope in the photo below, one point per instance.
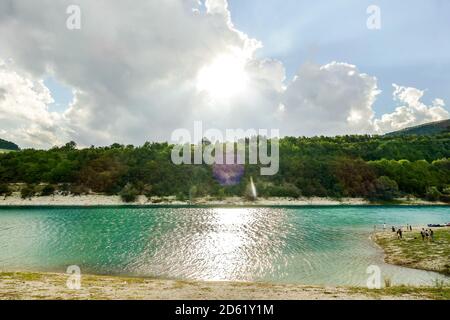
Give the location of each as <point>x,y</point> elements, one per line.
<point>425,129</point>
<point>6,145</point>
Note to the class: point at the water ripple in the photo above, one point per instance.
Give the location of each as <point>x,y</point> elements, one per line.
<point>328,246</point>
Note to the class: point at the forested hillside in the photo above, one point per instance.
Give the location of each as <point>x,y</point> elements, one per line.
<point>6,145</point>
<point>426,129</point>
<point>380,167</point>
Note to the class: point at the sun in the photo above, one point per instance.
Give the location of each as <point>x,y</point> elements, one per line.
<point>224,78</point>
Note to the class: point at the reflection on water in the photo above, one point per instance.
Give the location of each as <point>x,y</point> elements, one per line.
<point>216,244</point>
<point>327,246</point>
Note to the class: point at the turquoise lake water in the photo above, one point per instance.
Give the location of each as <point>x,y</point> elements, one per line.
<point>308,245</point>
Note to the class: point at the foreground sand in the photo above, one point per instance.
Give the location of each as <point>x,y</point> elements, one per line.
<point>44,286</point>
<point>104,200</point>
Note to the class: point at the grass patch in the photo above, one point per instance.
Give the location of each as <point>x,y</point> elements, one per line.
<point>433,293</point>
<point>179,284</point>
<point>23,276</point>
<point>412,252</point>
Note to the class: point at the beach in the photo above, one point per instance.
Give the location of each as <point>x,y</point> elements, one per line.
<point>413,252</point>
<point>112,200</point>
<point>52,286</point>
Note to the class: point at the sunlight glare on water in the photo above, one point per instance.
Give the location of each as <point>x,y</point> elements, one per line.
<point>215,244</point>
<point>317,246</point>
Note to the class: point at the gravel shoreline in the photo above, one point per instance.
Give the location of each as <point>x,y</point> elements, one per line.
<point>104,200</point>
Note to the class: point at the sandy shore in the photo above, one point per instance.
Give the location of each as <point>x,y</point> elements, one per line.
<point>413,252</point>
<point>42,286</point>
<point>104,200</point>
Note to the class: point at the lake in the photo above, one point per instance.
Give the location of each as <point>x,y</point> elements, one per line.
<point>305,245</point>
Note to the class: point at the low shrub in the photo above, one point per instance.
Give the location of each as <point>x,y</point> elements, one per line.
<point>5,190</point>
<point>433,194</point>
<point>78,190</point>
<point>48,190</point>
<point>129,193</point>
<point>28,191</point>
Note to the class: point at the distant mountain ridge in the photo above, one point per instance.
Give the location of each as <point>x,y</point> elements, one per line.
<point>425,129</point>
<point>7,145</point>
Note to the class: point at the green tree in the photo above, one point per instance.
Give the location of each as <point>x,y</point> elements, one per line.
<point>129,193</point>
<point>433,194</point>
<point>28,191</point>
<point>385,189</point>
<point>5,189</point>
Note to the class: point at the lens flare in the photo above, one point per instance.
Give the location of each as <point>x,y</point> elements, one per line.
<point>228,174</point>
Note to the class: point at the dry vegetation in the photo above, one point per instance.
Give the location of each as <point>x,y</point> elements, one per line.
<point>39,286</point>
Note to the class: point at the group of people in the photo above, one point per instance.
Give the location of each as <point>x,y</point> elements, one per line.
<point>427,234</point>
<point>399,231</point>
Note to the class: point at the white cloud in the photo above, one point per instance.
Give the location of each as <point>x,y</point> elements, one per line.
<point>411,111</point>
<point>332,99</point>
<point>141,71</point>
<point>134,68</point>
<point>24,115</point>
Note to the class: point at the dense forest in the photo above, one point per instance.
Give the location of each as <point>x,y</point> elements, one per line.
<point>373,167</point>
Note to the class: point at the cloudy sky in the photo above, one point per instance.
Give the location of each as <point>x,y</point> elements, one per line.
<point>137,71</point>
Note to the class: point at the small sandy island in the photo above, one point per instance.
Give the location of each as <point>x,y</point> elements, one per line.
<point>44,286</point>
<point>105,200</point>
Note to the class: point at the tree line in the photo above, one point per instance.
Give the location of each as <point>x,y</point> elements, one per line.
<point>372,167</point>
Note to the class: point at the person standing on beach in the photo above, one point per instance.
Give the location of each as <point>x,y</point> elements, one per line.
<point>431,235</point>
<point>384,226</point>
<point>422,233</point>
<point>400,233</point>
<point>410,228</point>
